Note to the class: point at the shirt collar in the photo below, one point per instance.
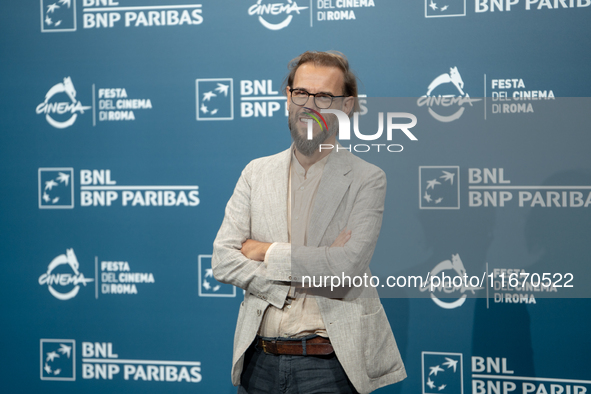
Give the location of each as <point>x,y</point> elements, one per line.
<point>316,167</point>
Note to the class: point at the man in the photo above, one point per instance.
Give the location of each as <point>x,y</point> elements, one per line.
<point>308,211</point>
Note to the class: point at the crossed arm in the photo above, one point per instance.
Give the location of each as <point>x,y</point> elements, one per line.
<point>238,258</point>
<point>256,250</point>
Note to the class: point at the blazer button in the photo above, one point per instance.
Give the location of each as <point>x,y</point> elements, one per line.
<point>289,277</point>
<point>258,312</point>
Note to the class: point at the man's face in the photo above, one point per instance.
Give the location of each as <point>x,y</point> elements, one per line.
<point>314,79</point>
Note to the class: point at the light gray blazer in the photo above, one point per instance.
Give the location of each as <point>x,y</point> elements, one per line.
<point>350,195</point>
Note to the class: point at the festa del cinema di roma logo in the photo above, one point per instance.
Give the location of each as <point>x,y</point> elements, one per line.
<point>345,129</point>
<point>68,282</point>
<point>61,114</point>
<point>440,105</point>
<point>456,266</point>
<point>275,10</point>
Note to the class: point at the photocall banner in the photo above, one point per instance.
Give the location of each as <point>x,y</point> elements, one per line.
<point>125,126</point>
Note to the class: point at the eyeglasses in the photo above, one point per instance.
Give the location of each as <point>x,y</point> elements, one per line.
<point>321,100</point>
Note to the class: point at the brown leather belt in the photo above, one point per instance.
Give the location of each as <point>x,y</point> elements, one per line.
<point>317,346</point>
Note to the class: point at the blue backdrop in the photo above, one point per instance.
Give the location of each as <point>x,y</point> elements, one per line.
<point>125,125</point>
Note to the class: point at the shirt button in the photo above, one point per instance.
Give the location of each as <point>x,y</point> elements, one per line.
<point>289,307</point>
<point>302,188</point>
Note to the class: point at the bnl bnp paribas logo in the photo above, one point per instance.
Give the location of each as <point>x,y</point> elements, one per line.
<point>61,107</point>
<point>446,98</point>
<point>259,98</point>
<point>58,359</point>
<point>275,15</point>
<point>442,373</point>
<point>439,187</point>
<point>99,189</point>
<point>215,99</point>
<point>56,188</point>
<point>58,15</point>
<point>208,286</point>
<point>99,361</point>
<point>444,8</point>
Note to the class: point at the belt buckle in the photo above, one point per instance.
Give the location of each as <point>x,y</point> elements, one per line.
<point>264,346</point>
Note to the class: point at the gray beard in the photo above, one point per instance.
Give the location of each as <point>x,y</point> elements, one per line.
<point>305,146</point>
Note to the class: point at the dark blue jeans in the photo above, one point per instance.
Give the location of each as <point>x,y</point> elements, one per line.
<point>267,373</point>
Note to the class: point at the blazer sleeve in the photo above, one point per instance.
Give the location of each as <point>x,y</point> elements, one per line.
<point>365,220</point>
<point>228,263</point>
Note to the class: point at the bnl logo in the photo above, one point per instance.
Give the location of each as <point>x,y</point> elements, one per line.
<point>56,188</point>
<point>58,359</point>
<point>442,373</point>
<point>58,15</point>
<point>208,286</point>
<point>444,8</point>
<point>215,99</point>
<point>439,187</point>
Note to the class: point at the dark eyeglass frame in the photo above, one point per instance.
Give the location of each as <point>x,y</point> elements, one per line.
<point>291,90</point>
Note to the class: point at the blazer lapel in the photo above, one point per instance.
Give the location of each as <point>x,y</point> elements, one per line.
<point>332,188</point>
<point>275,195</point>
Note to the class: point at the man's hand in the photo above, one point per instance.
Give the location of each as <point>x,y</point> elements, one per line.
<point>342,239</point>
<point>255,250</point>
